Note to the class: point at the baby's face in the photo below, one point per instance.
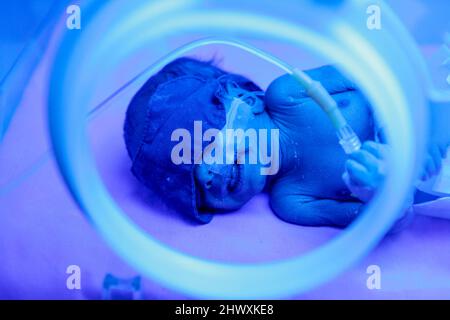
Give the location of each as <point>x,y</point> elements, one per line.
<point>228,186</point>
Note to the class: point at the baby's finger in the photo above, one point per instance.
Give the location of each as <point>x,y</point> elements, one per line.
<point>377,149</point>
<point>366,159</point>
<point>350,181</point>
<point>358,173</point>
<point>437,158</point>
<point>429,168</point>
<point>433,163</point>
<point>443,149</point>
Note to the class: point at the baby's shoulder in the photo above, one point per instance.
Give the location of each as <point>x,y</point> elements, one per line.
<point>283,91</point>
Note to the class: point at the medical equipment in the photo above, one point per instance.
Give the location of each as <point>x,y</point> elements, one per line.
<point>347,137</point>
<point>115,288</point>
<point>17,77</point>
<point>223,143</point>
<point>237,118</point>
<point>386,62</point>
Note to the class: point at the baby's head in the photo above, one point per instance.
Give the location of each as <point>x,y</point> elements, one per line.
<point>170,133</point>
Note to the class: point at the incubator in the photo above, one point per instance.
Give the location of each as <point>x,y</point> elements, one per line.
<point>382,61</point>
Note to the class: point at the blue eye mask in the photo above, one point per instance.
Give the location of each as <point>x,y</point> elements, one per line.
<point>175,104</point>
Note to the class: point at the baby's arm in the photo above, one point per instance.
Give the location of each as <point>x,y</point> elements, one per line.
<point>310,211</point>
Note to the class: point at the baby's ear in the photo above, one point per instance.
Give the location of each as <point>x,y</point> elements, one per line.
<point>284,91</point>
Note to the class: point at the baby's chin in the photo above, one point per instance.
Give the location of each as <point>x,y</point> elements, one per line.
<point>252,183</point>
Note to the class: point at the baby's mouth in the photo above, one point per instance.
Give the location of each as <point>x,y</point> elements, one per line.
<point>235,172</point>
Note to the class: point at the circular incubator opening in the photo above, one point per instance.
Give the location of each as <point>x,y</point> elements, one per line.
<point>121,46</point>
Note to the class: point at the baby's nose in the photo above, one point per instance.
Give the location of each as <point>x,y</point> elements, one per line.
<point>204,176</point>
<point>213,177</point>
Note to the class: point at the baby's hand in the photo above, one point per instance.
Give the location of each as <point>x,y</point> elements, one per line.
<point>433,161</point>
<point>366,170</point>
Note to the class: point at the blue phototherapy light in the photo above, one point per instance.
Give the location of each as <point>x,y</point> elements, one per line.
<point>390,75</point>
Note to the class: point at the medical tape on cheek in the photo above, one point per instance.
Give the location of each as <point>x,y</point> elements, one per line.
<point>238,115</point>
<point>227,141</point>
<point>220,143</point>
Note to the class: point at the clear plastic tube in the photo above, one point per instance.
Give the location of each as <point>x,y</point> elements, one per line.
<point>235,120</point>
<point>347,137</point>
<point>238,116</point>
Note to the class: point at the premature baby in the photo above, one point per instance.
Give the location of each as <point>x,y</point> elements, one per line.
<point>311,181</point>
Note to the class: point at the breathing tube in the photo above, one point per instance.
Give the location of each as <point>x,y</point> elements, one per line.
<point>239,112</point>
<point>348,139</point>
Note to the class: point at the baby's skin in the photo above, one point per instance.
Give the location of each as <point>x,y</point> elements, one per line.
<point>317,183</point>
<point>309,189</point>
